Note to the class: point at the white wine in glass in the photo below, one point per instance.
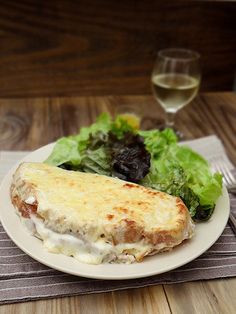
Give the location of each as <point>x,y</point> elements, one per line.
<point>175,80</point>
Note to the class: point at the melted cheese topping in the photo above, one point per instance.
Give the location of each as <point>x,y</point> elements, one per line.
<point>68,197</point>
<point>80,248</point>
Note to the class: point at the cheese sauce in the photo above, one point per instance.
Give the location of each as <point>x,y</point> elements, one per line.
<point>80,248</point>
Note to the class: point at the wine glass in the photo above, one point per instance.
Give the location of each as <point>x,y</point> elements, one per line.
<point>175,81</point>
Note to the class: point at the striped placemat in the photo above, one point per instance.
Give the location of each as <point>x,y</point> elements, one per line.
<point>22,278</point>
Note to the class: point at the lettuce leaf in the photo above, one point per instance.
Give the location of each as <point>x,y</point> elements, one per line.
<point>168,176</point>
<point>97,161</point>
<point>72,150</point>
<point>156,141</point>
<point>204,184</point>
<point>66,150</point>
<point>180,171</point>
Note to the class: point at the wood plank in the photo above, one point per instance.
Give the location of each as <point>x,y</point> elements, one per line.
<point>138,301</point>
<point>210,297</point>
<point>145,300</point>
<point>68,48</point>
<point>205,297</point>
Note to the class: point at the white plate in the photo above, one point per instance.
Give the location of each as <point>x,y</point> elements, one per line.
<point>205,235</point>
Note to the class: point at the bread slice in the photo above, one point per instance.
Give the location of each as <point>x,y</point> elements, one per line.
<point>97,218</point>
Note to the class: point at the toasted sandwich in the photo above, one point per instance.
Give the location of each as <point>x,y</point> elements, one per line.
<point>96,218</point>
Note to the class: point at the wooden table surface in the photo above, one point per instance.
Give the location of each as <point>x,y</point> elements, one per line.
<point>26,124</point>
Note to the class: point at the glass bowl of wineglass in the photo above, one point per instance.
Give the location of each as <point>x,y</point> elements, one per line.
<point>175,81</point>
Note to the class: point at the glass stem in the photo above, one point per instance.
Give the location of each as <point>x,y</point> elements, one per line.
<point>170,119</point>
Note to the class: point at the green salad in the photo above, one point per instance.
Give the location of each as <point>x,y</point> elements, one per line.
<point>151,158</point>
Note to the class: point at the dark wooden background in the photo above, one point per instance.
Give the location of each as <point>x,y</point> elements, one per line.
<point>99,47</point>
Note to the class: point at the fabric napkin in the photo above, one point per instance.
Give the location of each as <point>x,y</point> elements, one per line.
<point>22,278</point>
